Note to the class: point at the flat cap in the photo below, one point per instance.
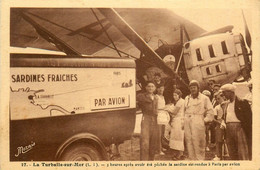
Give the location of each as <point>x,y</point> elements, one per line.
<point>228,87</point>
<point>206,92</point>
<point>216,85</point>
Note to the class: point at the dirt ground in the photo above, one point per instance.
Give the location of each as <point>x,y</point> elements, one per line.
<point>130,151</point>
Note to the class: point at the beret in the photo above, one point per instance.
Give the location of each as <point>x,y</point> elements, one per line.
<point>228,87</point>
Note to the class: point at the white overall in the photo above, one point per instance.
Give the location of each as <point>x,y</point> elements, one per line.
<point>195,111</point>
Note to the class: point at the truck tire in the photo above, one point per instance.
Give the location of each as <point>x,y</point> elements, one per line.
<point>81,152</point>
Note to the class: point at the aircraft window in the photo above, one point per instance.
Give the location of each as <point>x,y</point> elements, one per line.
<point>224,47</point>
<point>208,70</point>
<point>211,51</point>
<point>198,53</point>
<point>218,68</point>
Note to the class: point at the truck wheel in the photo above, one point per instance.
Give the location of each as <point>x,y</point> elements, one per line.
<point>81,152</point>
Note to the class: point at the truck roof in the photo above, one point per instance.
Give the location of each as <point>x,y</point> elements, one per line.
<point>47,60</point>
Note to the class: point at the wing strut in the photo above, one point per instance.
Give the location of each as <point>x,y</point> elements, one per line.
<point>133,37</point>
<point>92,39</point>
<point>106,32</point>
<point>66,28</point>
<point>47,35</point>
<point>182,29</point>
<point>186,33</point>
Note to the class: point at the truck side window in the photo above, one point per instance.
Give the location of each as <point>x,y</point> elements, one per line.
<point>218,68</point>
<point>211,51</point>
<point>198,53</point>
<point>208,70</point>
<point>224,47</point>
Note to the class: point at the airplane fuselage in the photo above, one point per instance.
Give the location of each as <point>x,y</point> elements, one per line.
<point>219,57</point>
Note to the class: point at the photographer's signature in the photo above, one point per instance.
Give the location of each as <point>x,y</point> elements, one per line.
<point>24,149</point>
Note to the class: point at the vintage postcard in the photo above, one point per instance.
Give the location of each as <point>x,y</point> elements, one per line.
<point>130,84</point>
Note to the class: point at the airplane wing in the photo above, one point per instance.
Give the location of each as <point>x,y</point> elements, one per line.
<point>95,32</point>
<point>80,29</point>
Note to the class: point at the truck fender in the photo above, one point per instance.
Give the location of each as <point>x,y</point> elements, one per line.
<point>82,137</point>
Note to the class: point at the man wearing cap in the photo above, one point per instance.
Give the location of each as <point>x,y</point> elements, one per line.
<point>148,102</point>
<point>238,119</point>
<point>197,110</point>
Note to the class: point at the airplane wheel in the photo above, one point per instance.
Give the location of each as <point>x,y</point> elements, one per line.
<point>81,152</point>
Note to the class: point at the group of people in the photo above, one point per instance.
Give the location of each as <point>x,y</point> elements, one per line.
<point>188,119</point>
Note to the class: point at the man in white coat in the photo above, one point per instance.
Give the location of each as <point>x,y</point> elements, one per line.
<point>197,110</point>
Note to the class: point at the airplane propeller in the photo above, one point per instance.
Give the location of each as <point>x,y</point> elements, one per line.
<point>248,42</point>
<point>245,73</point>
<point>247,34</point>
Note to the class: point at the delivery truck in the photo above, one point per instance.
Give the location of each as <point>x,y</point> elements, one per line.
<point>67,108</point>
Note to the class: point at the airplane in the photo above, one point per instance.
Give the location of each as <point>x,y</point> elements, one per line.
<point>158,39</point>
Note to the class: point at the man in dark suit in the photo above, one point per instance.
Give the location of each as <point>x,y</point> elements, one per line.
<point>238,119</point>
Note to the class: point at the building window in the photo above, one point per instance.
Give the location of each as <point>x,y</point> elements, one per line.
<point>208,70</point>
<point>211,51</point>
<point>224,47</point>
<point>198,53</point>
<point>218,68</point>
